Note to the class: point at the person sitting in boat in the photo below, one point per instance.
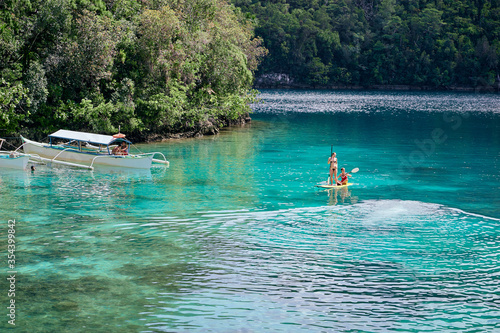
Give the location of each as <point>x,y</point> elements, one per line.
<point>121,149</point>
<point>344,177</point>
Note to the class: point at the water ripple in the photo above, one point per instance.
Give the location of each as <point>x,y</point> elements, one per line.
<point>373,102</point>
<point>378,266</point>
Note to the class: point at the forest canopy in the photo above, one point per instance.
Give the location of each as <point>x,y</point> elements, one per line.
<point>434,43</point>
<point>149,66</point>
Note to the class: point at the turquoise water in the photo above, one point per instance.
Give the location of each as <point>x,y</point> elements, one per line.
<point>234,237</point>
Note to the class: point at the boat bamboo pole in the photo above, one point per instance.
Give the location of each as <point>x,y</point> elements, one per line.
<point>167,163</point>
<point>65,163</point>
<point>164,161</point>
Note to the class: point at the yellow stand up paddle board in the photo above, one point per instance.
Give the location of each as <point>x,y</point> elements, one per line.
<point>338,186</point>
<point>333,186</point>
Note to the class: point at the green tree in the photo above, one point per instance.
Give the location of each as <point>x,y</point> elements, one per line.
<point>12,96</point>
<point>85,58</point>
<point>434,43</point>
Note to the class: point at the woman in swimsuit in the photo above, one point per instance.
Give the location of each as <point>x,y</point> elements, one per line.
<point>344,177</point>
<point>332,160</point>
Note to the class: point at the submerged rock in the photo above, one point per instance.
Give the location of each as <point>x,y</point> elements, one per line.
<point>66,306</point>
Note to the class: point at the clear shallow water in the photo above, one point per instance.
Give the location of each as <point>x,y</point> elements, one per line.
<point>234,237</point>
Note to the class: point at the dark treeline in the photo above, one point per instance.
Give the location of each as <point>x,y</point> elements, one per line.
<point>433,43</point>
<point>150,66</point>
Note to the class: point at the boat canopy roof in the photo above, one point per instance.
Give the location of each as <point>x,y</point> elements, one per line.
<point>99,139</point>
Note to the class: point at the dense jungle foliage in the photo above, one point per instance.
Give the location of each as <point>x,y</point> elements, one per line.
<point>434,43</point>
<point>151,66</point>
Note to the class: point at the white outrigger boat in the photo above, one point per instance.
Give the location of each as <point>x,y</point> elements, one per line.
<point>85,150</point>
<point>13,160</point>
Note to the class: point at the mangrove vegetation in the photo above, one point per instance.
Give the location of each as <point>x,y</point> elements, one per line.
<point>153,67</point>
<point>434,43</point>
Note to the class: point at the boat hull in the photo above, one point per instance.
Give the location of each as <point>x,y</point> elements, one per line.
<point>70,155</point>
<point>18,162</point>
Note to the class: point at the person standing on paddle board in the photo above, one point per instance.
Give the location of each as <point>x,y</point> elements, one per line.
<point>332,160</point>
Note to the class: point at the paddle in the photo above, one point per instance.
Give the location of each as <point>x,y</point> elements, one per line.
<point>353,171</point>
<point>331,152</point>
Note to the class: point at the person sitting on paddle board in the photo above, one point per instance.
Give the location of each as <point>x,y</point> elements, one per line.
<point>344,177</point>
<point>332,160</point>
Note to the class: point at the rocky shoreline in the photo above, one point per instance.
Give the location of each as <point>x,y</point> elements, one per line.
<point>210,126</point>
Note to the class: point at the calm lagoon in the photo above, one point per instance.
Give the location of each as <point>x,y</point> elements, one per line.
<point>235,237</point>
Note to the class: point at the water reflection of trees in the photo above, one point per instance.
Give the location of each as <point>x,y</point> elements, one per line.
<point>209,173</point>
